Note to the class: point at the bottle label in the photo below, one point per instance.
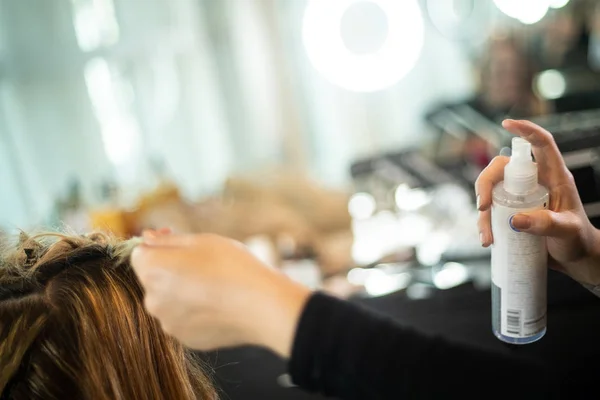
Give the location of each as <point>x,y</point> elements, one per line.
<point>519,276</point>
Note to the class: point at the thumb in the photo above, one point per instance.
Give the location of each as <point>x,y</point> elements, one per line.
<point>545,223</point>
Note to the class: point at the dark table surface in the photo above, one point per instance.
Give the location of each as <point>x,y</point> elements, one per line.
<point>461,314</point>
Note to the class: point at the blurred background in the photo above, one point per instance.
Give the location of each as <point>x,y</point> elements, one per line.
<point>336,132</point>
<point>339,139</point>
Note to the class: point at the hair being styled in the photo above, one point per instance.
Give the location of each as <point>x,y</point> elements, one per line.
<point>73,326</point>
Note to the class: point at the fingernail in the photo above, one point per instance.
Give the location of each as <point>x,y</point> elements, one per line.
<point>520,222</point>
<point>506,152</point>
<point>482,239</point>
<point>478,202</point>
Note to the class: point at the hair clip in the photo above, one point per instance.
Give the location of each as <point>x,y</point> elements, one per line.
<point>30,247</point>
<point>30,255</point>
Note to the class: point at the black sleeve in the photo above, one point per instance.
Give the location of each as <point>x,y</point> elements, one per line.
<point>345,351</point>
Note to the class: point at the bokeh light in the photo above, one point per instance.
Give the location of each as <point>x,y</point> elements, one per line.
<point>329,52</point>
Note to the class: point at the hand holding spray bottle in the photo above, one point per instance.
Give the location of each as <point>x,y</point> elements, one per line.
<point>519,260</point>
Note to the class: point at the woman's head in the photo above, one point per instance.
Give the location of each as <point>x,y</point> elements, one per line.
<point>506,74</point>
<point>73,326</point>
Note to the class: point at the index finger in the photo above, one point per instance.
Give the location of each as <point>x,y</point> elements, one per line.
<point>552,168</point>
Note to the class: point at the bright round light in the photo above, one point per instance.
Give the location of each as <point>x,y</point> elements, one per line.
<point>528,12</point>
<point>467,21</point>
<point>558,3</point>
<point>361,205</point>
<point>551,84</point>
<point>512,8</point>
<point>534,13</point>
<point>448,13</point>
<point>408,199</point>
<point>365,72</point>
<point>358,276</point>
<point>378,283</point>
<point>451,275</point>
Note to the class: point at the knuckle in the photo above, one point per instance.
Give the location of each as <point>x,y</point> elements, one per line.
<point>492,163</point>
<point>547,223</point>
<point>564,224</point>
<point>574,226</point>
<point>538,134</point>
<point>569,176</point>
<point>546,137</point>
<point>495,166</point>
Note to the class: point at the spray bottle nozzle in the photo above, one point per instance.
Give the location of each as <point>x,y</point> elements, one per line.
<point>521,150</point>
<point>520,174</point>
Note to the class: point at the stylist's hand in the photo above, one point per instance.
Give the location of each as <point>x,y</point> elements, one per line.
<point>210,292</point>
<point>572,240</point>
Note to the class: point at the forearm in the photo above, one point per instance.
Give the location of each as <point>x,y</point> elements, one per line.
<point>587,271</point>
<point>343,350</point>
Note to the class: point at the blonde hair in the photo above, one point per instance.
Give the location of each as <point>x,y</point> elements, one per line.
<point>73,326</point>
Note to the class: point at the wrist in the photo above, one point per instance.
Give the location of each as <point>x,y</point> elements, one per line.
<point>588,270</point>
<point>284,306</point>
<point>595,256</point>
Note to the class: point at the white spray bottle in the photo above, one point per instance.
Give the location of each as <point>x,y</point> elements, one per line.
<point>519,260</point>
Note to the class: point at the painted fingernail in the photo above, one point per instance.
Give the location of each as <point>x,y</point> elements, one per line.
<point>520,222</point>
<point>478,202</point>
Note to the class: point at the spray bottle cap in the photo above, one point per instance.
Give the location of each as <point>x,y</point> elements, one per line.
<point>520,174</point>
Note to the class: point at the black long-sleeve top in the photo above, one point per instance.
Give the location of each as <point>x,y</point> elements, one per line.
<point>346,351</point>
